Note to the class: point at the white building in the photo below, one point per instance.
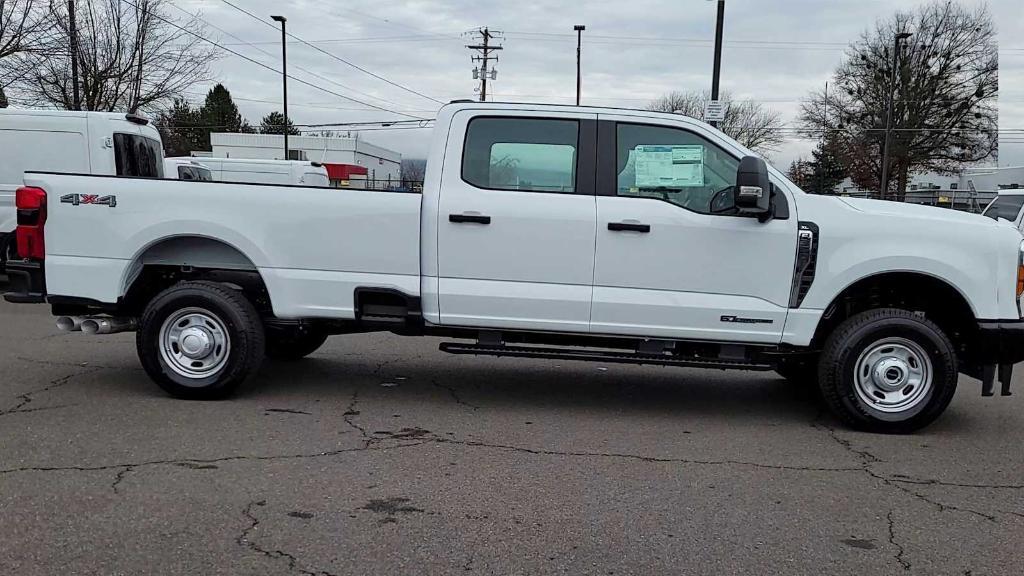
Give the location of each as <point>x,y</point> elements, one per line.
<point>350,162</point>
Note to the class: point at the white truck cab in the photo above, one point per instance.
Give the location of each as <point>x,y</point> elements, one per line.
<point>102,143</point>
<point>283,172</point>
<point>544,232</point>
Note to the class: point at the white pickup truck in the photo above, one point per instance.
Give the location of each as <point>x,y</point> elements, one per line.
<point>542,232</point>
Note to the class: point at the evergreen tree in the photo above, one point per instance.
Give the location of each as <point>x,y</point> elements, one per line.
<point>220,114</point>
<point>273,123</point>
<point>827,169</point>
<point>181,129</point>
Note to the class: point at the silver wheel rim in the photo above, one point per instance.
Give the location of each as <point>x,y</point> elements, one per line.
<point>194,343</point>
<point>893,375</point>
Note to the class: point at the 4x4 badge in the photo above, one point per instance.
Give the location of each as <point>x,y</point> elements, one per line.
<point>76,199</point>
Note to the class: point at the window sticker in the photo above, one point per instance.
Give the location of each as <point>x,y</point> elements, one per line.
<point>679,166</point>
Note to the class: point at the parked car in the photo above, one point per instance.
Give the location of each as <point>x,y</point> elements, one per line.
<point>293,172</point>
<point>187,169</point>
<point>70,142</point>
<point>542,232</point>
<point>1008,205</point>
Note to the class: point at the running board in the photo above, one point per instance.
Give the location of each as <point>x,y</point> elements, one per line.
<point>586,355</point>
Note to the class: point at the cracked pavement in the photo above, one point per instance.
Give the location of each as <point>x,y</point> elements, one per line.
<point>381,455</point>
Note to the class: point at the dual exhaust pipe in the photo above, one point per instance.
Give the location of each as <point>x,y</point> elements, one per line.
<point>96,324</point>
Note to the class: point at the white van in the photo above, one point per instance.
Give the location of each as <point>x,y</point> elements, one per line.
<point>186,169</point>
<point>104,143</point>
<point>293,172</point>
<point>1009,205</point>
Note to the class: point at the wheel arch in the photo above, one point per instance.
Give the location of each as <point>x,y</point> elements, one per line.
<point>173,258</point>
<point>915,291</point>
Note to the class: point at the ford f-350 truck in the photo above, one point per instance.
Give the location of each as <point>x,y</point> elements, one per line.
<point>542,232</point>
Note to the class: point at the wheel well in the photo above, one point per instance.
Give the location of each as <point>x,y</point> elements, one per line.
<point>915,292</point>
<point>180,258</point>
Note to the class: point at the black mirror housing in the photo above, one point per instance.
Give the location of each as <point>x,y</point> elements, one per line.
<point>753,188</point>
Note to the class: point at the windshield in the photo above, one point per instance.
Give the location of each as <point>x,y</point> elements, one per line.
<point>138,156</point>
<point>1005,206</point>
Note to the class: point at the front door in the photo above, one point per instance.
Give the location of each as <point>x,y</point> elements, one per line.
<point>670,264</point>
<point>516,222</point>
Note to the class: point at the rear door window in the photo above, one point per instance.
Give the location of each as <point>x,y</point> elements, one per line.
<point>1005,206</point>
<point>138,156</point>
<point>523,154</point>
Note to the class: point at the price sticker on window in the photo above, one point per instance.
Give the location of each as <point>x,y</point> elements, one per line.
<point>669,166</point>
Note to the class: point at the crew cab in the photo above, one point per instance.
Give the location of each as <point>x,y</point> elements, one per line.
<point>542,232</point>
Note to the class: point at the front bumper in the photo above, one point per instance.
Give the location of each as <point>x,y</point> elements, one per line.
<point>1000,346</point>
<point>28,282</point>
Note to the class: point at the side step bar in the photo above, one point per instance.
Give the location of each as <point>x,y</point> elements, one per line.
<point>618,357</point>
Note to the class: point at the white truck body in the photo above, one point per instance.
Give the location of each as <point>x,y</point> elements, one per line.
<point>545,242</point>
<point>61,141</point>
<point>285,172</point>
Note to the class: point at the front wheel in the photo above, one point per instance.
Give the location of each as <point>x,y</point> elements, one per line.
<point>200,340</point>
<point>888,370</point>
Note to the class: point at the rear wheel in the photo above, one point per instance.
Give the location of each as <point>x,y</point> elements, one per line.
<point>293,343</point>
<point>200,340</point>
<point>888,370</point>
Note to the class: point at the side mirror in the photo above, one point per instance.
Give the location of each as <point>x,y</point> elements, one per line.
<point>753,188</point>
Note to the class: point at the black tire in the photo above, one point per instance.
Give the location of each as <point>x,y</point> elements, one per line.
<point>231,315</point>
<point>293,344</point>
<point>879,331</point>
<point>8,249</point>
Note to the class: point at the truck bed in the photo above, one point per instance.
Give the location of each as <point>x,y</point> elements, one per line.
<point>312,246</point>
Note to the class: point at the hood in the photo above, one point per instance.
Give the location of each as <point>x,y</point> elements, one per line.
<point>916,211</point>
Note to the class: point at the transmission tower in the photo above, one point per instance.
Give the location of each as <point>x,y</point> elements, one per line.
<point>483,47</point>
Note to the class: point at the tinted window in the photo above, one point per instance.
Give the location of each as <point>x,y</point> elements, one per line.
<point>1005,206</point>
<point>194,173</point>
<point>674,165</point>
<point>138,156</point>
<point>521,154</point>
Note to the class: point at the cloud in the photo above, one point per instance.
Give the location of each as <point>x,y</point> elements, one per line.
<point>633,52</point>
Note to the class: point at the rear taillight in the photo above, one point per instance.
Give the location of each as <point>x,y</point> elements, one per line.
<point>31,203</point>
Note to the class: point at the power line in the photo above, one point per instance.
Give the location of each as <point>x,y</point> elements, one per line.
<point>278,57</point>
<point>262,65</point>
<point>484,48</point>
<point>338,58</point>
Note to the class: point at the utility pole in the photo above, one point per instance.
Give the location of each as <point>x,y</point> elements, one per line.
<point>284,75</point>
<point>888,115</point>
<point>824,143</point>
<point>716,74</point>
<point>73,47</point>
<point>579,28</point>
<point>485,48</point>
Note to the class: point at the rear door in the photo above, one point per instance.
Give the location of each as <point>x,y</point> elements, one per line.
<point>670,264</point>
<point>516,221</point>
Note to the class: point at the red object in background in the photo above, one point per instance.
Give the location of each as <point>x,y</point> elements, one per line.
<point>344,171</point>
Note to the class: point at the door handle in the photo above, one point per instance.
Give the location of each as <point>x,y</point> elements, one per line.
<point>473,218</point>
<point>629,227</point>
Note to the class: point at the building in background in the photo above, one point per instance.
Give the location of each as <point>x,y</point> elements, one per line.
<point>350,162</point>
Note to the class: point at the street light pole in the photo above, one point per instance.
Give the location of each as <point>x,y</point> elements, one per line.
<point>579,28</point>
<point>73,46</point>
<point>716,74</point>
<point>888,114</point>
<point>284,75</point>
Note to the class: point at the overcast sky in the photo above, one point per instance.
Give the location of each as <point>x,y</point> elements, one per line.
<point>633,52</point>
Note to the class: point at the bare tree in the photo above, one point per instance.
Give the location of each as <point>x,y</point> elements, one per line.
<point>747,122</point>
<point>413,169</point>
<point>944,90</point>
<point>131,55</point>
<point>22,34</point>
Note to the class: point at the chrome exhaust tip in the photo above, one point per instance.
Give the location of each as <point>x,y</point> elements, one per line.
<point>108,325</point>
<point>70,323</point>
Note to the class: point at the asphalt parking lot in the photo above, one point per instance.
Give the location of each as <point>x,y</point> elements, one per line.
<point>381,455</point>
